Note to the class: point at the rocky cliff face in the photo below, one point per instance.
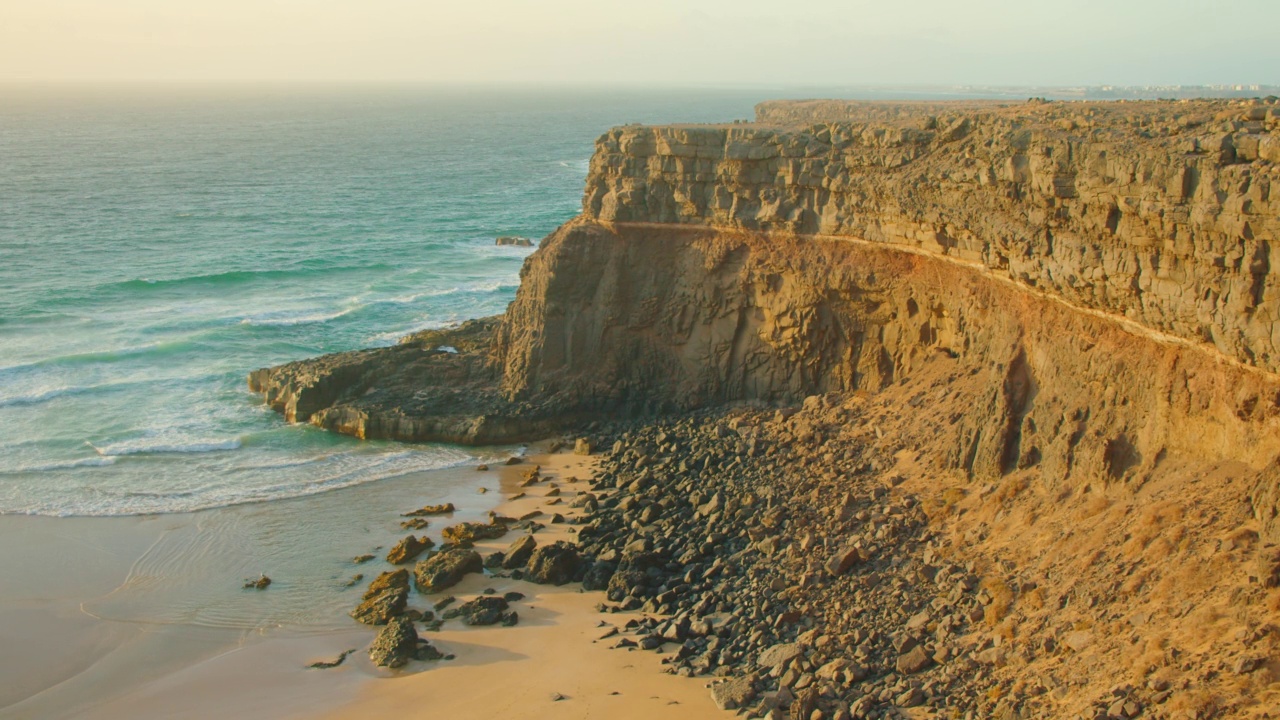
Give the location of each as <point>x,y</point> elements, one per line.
<point>1162,213</point>
<point>675,318</point>
<point>1107,268</point>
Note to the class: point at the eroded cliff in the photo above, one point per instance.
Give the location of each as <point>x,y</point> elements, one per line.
<point>1160,212</point>
<point>832,246</point>
<point>1067,310</point>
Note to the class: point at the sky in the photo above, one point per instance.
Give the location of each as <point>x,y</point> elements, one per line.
<point>648,42</point>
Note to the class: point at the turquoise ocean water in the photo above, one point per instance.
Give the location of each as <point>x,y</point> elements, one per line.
<point>158,244</point>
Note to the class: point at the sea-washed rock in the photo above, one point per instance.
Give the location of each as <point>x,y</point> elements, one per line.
<point>733,693</point>
<point>259,583</point>
<point>395,645</point>
<point>328,664</point>
<point>469,532</point>
<point>514,241</point>
<point>598,576</point>
<point>408,549</point>
<point>384,599</point>
<point>425,510</point>
<point>446,568</point>
<point>779,654</point>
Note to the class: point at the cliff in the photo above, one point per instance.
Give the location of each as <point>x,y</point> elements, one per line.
<point>833,246</point>
<point>1162,213</point>
<point>1064,312</point>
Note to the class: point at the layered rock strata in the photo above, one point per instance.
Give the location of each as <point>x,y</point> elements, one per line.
<point>1162,213</point>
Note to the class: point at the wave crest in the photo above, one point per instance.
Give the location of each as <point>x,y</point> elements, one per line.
<point>161,448</point>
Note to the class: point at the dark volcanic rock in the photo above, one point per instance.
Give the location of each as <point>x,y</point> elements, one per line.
<point>598,576</point>
<point>485,610</point>
<point>395,645</point>
<point>408,549</point>
<point>445,569</point>
<point>554,564</point>
<point>385,598</point>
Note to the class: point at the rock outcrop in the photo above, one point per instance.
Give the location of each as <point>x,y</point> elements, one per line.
<point>1107,264</point>
<point>445,569</point>
<point>385,598</point>
<point>395,645</point>
<point>832,245</point>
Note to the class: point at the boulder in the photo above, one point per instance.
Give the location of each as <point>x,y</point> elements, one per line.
<point>1078,640</point>
<point>914,660</point>
<point>733,693</point>
<point>484,610</point>
<point>843,560</point>
<point>776,655</point>
<point>842,671</point>
<point>519,552</point>
<point>469,532</point>
<point>385,598</point>
<point>395,645</point>
<point>554,564</point>
<point>598,576</point>
<point>408,549</point>
<point>445,569</point>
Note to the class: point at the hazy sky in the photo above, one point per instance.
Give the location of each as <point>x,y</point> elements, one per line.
<point>720,42</point>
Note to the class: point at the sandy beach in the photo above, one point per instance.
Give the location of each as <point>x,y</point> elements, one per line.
<point>553,664</point>
<point>145,617</point>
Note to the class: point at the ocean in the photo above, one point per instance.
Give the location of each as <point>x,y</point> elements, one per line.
<point>157,244</point>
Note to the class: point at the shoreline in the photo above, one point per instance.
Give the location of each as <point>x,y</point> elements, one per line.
<point>118,612</point>
<point>108,637</point>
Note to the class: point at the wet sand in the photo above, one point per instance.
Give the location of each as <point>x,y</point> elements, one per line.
<point>107,617</point>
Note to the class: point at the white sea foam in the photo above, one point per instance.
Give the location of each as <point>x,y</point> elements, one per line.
<point>276,320</point>
<point>43,395</point>
<point>143,447</point>
<point>332,471</point>
<point>39,397</point>
<point>392,337</point>
<point>67,465</point>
